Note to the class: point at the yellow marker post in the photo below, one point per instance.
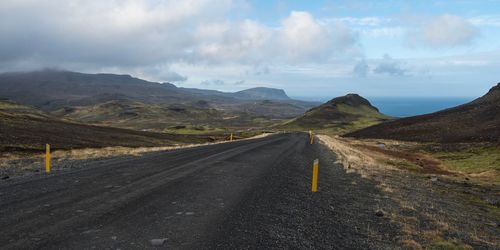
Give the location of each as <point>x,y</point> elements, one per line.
<point>231,137</point>
<point>314,188</point>
<point>47,158</point>
<point>311,135</point>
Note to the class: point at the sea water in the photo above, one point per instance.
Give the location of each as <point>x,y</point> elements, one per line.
<point>407,106</point>
<point>410,106</point>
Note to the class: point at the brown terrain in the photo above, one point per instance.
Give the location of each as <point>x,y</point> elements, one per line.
<point>25,129</point>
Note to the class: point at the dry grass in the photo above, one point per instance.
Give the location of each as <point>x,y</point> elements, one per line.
<point>424,222</point>
<point>410,244</point>
<point>353,158</point>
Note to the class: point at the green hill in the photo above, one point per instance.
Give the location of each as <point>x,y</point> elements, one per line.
<point>339,115</point>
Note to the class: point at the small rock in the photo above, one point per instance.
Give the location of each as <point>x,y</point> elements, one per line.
<point>114,237</point>
<point>178,213</point>
<point>379,213</point>
<point>189,213</point>
<point>158,242</point>
<point>109,186</point>
<point>79,211</point>
<point>492,201</point>
<point>434,178</point>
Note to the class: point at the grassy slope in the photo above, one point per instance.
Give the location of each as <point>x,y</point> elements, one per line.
<point>350,119</point>
<point>479,160</point>
<point>182,119</point>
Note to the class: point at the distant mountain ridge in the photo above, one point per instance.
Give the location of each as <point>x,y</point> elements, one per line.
<point>476,121</point>
<point>46,87</point>
<point>52,89</point>
<point>112,100</point>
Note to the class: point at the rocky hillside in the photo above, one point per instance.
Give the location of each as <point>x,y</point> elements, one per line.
<point>477,121</point>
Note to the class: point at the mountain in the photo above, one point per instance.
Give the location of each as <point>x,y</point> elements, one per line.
<point>23,128</point>
<point>62,92</point>
<point>51,87</point>
<point>262,93</point>
<point>341,114</point>
<point>477,121</point>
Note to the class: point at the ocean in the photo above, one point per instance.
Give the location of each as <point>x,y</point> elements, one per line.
<point>407,106</point>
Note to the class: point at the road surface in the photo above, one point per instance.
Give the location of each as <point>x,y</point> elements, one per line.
<point>251,194</point>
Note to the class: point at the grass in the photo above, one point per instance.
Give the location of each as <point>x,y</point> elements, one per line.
<point>322,121</point>
<point>441,244</point>
<point>471,160</point>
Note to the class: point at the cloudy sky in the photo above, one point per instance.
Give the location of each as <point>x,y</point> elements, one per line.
<point>308,48</point>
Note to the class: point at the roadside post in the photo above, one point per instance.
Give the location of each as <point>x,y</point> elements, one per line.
<point>314,187</point>
<point>47,158</point>
<point>311,136</point>
<point>231,137</point>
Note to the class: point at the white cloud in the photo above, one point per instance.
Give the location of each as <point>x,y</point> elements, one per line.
<point>370,21</point>
<point>361,69</point>
<point>304,38</point>
<point>384,32</point>
<point>390,66</point>
<point>150,36</point>
<point>222,42</point>
<point>442,31</point>
<point>485,21</point>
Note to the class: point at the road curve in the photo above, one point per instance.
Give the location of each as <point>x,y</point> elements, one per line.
<point>252,194</point>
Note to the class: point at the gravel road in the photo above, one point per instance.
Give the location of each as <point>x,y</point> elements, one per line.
<point>252,194</point>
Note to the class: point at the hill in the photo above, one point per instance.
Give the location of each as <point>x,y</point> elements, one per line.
<point>51,89</point>
<point>23,128</point>
<point>109,99</point>
<point>339,115</point>
<point>477,121</point>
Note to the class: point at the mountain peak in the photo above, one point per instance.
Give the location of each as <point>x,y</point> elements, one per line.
<point>351,99</point>
<point>339,115</point>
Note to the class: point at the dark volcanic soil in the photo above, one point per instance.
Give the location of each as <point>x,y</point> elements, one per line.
<point>28,133</point>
